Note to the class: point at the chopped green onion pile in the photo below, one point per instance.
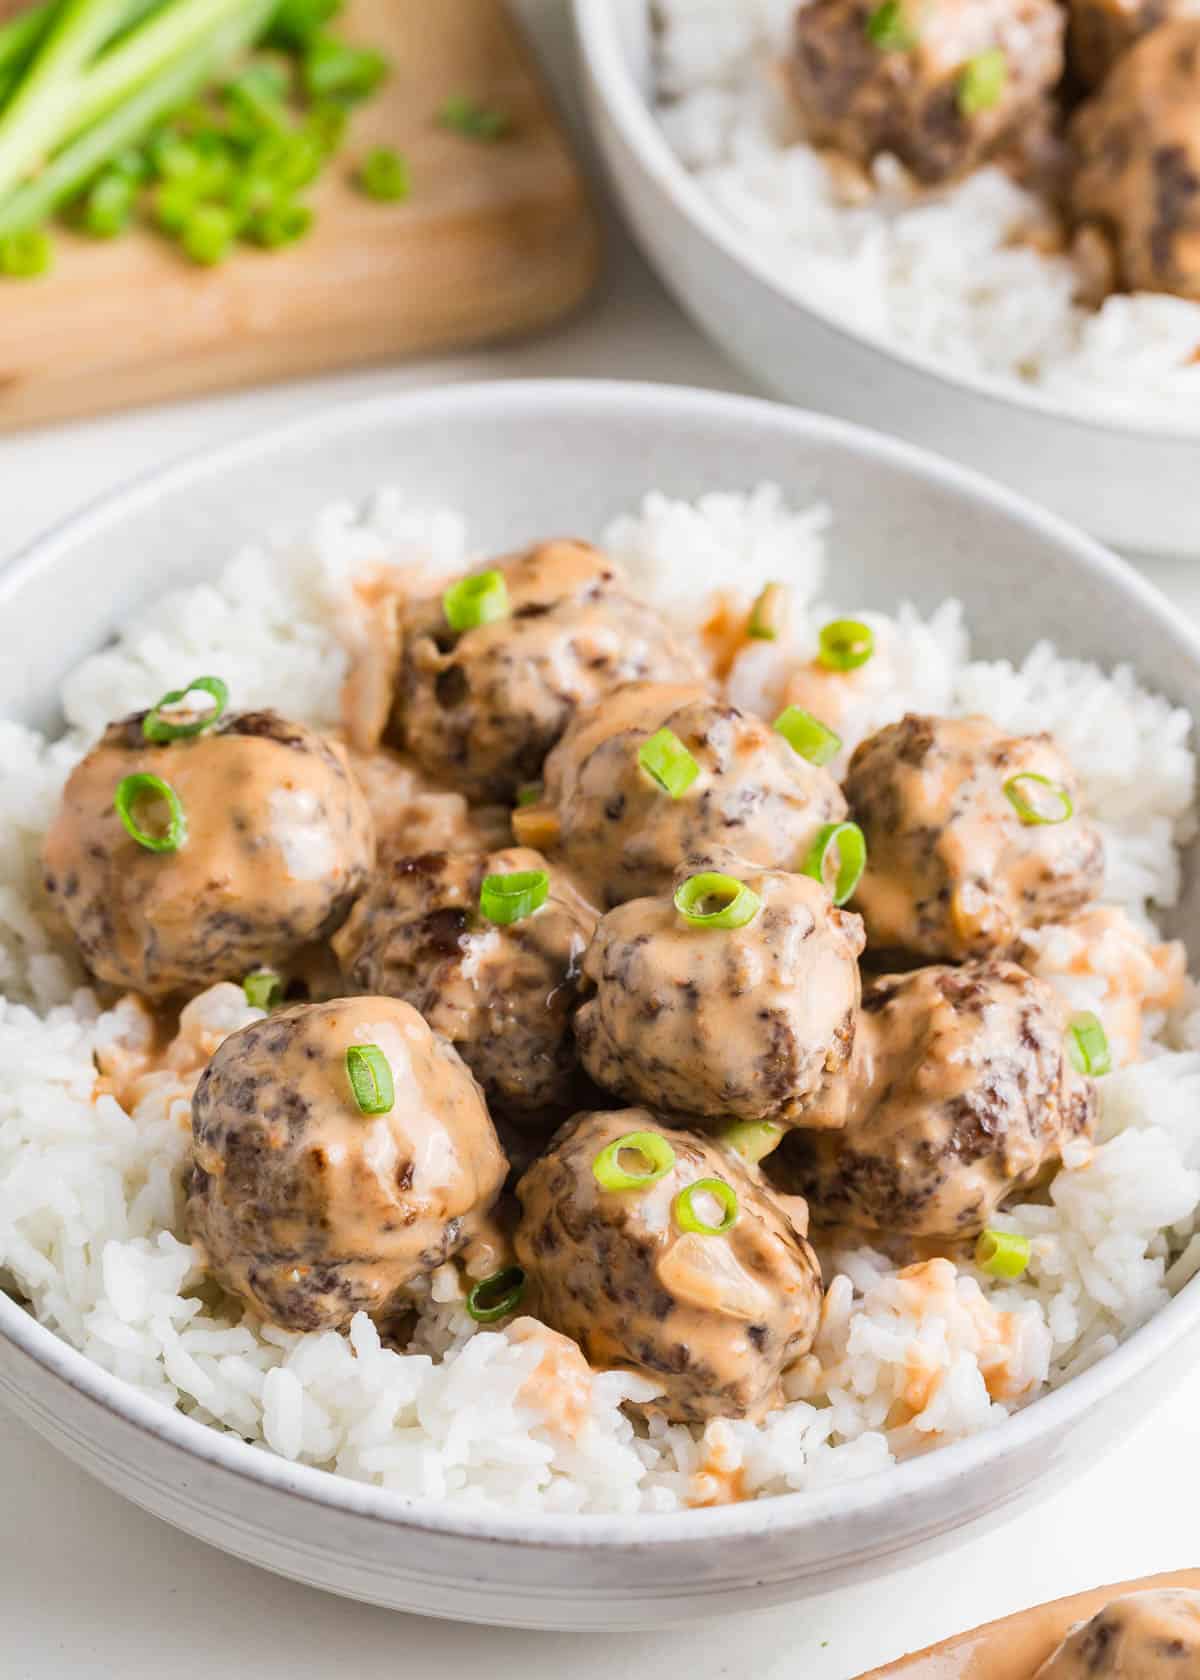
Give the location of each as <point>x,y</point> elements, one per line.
<point>206,119</point>
<point>807,735</point>
<point>652,1159</point>
<point>845,844</point>
<point>150,792</point>
<point>689,1218</point>
<point>667,762</point>
<point>505,899</point>
<point>710,900</point>
<point>1002,1254</point>
<point>370,1076</point>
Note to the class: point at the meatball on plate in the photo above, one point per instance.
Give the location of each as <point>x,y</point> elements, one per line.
<point>694,1101</point>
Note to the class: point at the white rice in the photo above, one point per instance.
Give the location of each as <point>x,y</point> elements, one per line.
<point>91,1227</point>
<point>946,277</point>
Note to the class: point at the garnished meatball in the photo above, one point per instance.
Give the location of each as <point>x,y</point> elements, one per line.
<point>1102,31</point>
<point>1136,163</point>
<point>972,836</point>
<point>743,1022</point>
<point>483,706</point>
<point>943,85</point>
<point>501,993</point>
<point>714,1316</point>
<point>272,844</point>
<point>739,784</point>
<point>960,1093</point>
<point>1151,1635</point>
<point>311,1209</point>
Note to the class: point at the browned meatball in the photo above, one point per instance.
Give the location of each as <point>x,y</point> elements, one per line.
<point>502,995</point>
<point>941,84</point>
<point>952,869</point>
<point>745,1023</point>
<point>1100,31</point>
<point>622,835</point>
<point>714,1318</point>
<point>1136,163</point>
<point>960,1093</point>
<point>1151,1635</point>
<point>310,1210</point>
<point>278,844</point>
<point>484,706</point>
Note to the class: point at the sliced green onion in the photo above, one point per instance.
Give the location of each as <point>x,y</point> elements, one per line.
<point>1022,802</point>
<point>767,613</point>
<point>753,1140</point>
<point>1002,1254</point>
<point>468,117</point>
<point>297,21</point>
<point>530,794</point>
<point>654,1150</point>
<point>384,176</point>
<point>509,898</point>
<point>472,601</point>
<point>734,904</point>
<point>370,1078</point>
<point>26,255</point>
<point>263,989</point>
<point>208,234</point>
<point>278,225</point>
<point>982,83</point>
<point>333,70</point>
<point>846,841</point>
<point>845,644</point>
<point>667,761</point>
<point>132,789</point>
<point>807,735</point>
<point>723,1194</point>
<point>496,1296</point>
<point>889,29</point>
<point>1088,1046</point>
<point>155,727</point>
<point>108,205</point>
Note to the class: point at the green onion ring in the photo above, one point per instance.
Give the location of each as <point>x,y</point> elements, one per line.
<point>753,1140</point>
<point>1002,1254</point>
<point>667,762</point>
<point>155,727</point>
<point>768,613</point>
<point>651,1146</point>
<point>737,904</point>
<point>845,644</point>
<point>263,989</point>
<point>370,1076</point>
<point>688,1219</point>
<point>505,899</point>
<point>807,735</point>
<point>851,846</point>
<point>476,600</point>
<point>1088,1046</point>
<point>1025,808</point>
<point>982,82</point>
<point>132,788</point>
<point>497,1296</point>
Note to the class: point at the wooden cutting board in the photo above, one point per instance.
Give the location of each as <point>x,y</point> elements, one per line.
<point>495,239</point>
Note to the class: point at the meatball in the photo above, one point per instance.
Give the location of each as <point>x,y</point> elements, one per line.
<point>1135,178</point>
<point>1099,32</point>
<point>484,706</point>
<point>622,835</point>
<point>278,845</point>
<point>310,1210</point>
<point>502,995</point>
<point>1151,1635</point>
<point>941,84</point>
<point>714,1318</point>
<point>723,1023</point>
<point>953,870</point>
<point>960,1093</point>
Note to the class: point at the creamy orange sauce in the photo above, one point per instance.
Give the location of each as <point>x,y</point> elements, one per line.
<point>560,1384</point>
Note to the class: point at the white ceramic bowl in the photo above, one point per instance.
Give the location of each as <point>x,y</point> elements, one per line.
<point>528,460</point>
<point>1130,483</point>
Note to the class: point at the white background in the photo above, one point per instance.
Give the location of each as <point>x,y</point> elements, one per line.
<point>90,1588</point>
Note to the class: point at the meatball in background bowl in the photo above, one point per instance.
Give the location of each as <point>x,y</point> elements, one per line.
<point>523,461</point>
<point>1124,477</point>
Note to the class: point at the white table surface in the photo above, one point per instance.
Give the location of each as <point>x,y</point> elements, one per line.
<point>90,1588</point>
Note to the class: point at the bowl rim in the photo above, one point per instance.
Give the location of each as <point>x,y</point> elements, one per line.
<point>599,47</point>
<point>608,402</point>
